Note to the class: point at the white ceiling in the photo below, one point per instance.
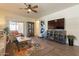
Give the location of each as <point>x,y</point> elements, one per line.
<point>43,8</point>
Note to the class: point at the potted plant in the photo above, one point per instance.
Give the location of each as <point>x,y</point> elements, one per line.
<point>71,39</point>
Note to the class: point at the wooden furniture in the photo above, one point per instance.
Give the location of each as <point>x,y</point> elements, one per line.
<point>30,29</point>
<point>56,30</point>
<point>58,35</point>
<point>12,47</point>
<point>24,42</point>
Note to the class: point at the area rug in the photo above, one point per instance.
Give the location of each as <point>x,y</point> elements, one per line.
<point>24,51</point>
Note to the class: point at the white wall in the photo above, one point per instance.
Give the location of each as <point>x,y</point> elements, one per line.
<point>71,16</point>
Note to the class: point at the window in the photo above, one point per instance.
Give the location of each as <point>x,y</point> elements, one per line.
<point>13,26</point>
<point>20,27</point>
<point>16,26</point>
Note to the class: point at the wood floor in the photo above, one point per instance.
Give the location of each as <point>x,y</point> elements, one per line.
<point>51,48</point>
<point>56,49</point>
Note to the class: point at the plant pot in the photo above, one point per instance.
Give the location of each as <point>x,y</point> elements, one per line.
<point>71,42</point>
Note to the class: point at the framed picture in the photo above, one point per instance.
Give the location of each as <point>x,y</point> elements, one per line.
<point>42,26</point>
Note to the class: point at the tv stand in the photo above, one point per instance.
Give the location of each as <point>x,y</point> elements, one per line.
<point>58,35</point>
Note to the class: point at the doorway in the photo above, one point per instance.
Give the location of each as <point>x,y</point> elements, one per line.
<point>30,30</point>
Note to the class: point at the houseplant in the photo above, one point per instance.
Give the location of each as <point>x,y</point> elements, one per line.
<point>6,31</point>
<point>71,39</point>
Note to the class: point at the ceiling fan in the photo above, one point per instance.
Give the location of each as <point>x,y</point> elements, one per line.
<point>30,8</point>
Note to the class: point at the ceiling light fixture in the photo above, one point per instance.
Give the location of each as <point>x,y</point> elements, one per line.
<point>29,10</point>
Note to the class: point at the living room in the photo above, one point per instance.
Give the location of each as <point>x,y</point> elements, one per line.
<point>16,18</point>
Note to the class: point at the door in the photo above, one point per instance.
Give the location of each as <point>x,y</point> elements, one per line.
<point>30,31</point>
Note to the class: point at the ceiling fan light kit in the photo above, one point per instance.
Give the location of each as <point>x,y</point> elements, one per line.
<point>29,8</point>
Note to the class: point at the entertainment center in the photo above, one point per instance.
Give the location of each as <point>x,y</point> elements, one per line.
<point>56,30</point>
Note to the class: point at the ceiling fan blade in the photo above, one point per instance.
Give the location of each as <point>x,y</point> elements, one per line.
<point>35,6</point>
<point>25,4</point>
<point>34,11</point>
<point>25,8</point>
<point>29,6</point>
<point>28,12</point>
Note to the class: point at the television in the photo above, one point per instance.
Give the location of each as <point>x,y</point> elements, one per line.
<point>56,24</point>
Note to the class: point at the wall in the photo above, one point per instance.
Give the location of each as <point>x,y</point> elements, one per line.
<point>8,16</point>
<point>37,27</point>
<point>2,21</point>
<point>71,16</point>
